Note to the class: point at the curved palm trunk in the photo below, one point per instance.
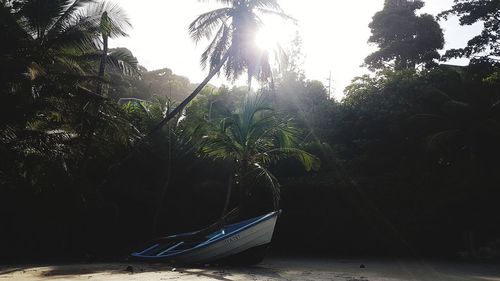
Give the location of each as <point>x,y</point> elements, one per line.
<point>167,119</point>
<point>185,102</point>
<point>102,65</point>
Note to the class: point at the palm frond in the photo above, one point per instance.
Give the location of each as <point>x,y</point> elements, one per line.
<point>215,52</point>
<point>35,71</point>
<point>232,32</point>
<point>80,33</point>
<point>205,25</point>
<point>112,19</point>
<point>278,13</point>
<point>309,161</point>
<point>39,15</point>
<point>270,4</point>
<point>69,64</point>
<point>123,61</point>
<point>260,172</point>
<point>68,15</point>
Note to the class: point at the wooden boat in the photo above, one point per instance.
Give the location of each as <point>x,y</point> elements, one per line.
<point>247,240</point>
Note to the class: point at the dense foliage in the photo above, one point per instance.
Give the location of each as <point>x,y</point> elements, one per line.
<point>405,39</point>
<point>471,12</point>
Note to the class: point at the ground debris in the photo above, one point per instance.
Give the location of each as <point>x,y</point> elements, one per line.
<point>129,269</point>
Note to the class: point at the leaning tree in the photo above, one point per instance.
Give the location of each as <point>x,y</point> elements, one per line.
<point>232,32</point>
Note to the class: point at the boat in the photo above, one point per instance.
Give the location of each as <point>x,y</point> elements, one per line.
<point>242,242</point>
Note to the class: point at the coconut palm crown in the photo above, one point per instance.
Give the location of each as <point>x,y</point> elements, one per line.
<point>113,23</point>
<point>254,139</point>
<point>232,31</point>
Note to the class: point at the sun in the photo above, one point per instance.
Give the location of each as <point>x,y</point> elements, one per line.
<point>266,39</point>
<point>272,34</point>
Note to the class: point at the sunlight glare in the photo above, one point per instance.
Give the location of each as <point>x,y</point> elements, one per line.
<point>273,34</point>
<point>266,40</point>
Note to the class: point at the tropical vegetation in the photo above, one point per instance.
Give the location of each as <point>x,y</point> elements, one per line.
<point>99,154</point>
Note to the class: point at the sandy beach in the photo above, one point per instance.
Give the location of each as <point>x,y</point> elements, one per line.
<point>272,269</point>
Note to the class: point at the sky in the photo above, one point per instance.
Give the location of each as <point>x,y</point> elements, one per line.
<point>334,35</point>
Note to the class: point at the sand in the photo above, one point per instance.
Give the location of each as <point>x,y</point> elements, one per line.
<point>271,269</point>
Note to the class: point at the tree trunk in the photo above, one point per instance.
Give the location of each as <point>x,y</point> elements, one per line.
<point>165,188</point>
<point>102,69</point>
<point>185,102</point>
<point>244,186</point>
<point>228,195</point>
<point>102,65</point>
<point>169,117</point>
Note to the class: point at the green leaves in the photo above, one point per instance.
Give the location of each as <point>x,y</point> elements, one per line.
<point>112,20</point>
<point>232,31</point>
<point>405,40</point>
<point>309,161</point>
<point>473,11</point>
<point>51,124</point>
<point>205,25</point>
<point>123,60</point>
<point>255,138</point>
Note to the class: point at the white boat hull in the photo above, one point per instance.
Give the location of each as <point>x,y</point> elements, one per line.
<point>257,235</point>
<point>229,241</point>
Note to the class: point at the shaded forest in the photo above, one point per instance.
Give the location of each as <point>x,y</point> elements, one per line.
<point>95,159</point>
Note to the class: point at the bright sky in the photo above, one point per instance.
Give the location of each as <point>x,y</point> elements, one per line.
<point>334,34</point>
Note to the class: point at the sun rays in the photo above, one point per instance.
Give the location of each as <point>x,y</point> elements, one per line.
<point>274,33</point>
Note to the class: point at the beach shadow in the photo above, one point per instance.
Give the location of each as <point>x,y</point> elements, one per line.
<point>81,269</point>
<point>5,271</point>
<point>222,273</point>
<point>109,268</point>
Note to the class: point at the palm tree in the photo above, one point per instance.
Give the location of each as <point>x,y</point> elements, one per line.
<point>58,37</point>
<point>44,42</point>
<point>51,51</point>
<point>113,23</point>
<point>254,139</point>
<point>232,31</point>
<point>54,35</point>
